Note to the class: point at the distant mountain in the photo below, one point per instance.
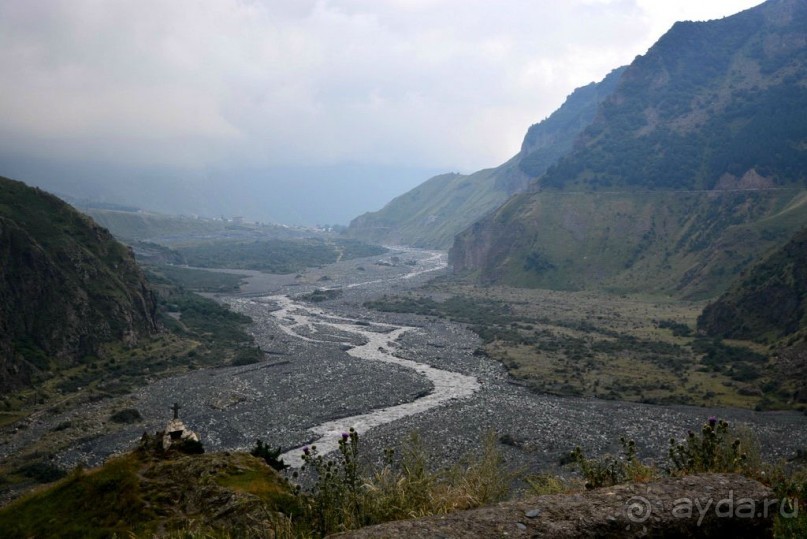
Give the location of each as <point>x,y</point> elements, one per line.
<point>432,213</point>
<point>692,167</point>
<point>66,287</point>
<point>303,195</point>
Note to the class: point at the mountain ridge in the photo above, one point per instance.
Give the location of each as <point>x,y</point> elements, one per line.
<point>431,214</point>
<point>718,125</point>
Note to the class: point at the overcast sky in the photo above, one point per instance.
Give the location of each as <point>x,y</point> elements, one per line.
<point>448,84</point>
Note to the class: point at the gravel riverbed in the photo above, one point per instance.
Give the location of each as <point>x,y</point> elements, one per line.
<point>336,364</point>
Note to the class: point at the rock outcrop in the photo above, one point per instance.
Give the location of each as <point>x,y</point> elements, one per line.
<point>66,287</point>
<point>709,505</point>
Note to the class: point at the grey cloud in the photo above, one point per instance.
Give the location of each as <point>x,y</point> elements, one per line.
<point>210,83</point>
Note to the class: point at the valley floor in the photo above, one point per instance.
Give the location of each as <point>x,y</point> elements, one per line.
<point>306,382</point>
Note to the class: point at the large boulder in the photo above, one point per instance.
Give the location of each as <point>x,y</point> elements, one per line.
<point>709,505</point>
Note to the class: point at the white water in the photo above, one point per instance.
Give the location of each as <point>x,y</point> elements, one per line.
<point>302,321</point>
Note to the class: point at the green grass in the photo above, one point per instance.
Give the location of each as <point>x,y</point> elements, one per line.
<point>632,241</point>
<point>139,495</point>
<point>635,348</point>
<point>434,212</point>
<point>276,495</point>
<point>144,493</point>
<point>98,503</point>
<point>274,255</point>
<point>8,418</point>
<point>197,280</point>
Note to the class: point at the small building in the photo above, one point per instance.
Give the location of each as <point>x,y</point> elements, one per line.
<point>176,433</point>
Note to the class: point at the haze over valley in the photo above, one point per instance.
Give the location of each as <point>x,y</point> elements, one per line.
<point>378,267</point>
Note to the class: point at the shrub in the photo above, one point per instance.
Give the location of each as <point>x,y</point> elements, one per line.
<point>611,470</point>
<point>269,455</point>
<point>41,472</point>
<point>126,416</point>
<point>711,451</point>
<point>345,497</point>
<point>335,498</point>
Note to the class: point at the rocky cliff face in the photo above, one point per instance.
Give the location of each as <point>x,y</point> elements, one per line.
<point>432,213</point>
<point>66,287</point>
<point>693,167</point>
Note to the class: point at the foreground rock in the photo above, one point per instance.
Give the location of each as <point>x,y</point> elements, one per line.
<point>710,505</point>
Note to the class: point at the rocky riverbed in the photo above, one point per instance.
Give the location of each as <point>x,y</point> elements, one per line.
<point>335,364</point>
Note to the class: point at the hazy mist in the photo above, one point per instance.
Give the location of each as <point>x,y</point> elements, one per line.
<point>301,112</point>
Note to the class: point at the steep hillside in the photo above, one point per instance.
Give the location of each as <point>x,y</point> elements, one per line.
<point>766,304</point>
<point>693,167</point>
<point>432,213</point>
<point>66,287</point>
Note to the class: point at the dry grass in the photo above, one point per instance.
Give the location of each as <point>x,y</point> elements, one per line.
<point>412,490</point>
<point>612,346</point>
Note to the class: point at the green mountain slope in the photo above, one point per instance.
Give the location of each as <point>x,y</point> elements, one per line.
<point>766,304</point>
<point>66,287</point>
<point>693,167</point>
<point>432,213</point>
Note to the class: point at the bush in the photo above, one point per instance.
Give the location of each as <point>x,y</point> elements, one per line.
<point>41,472</point>
<point>346,497</point>
<point>711,451</point>
<point>126,416</point>
<point>336,503</point>
<point>611,470</point>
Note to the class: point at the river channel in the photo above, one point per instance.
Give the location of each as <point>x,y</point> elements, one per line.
<point>334,365</point>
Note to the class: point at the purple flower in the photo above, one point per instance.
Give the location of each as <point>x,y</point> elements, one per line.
<point>306,450</point>
<point>345,435</point>
<point>712,421</point>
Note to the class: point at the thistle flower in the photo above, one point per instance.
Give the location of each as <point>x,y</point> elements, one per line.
<point>712,421</point>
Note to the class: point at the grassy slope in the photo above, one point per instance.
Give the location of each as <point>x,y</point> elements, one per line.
<point>685,244</point>
<point>430,215</point>
<point>433,213</point>
<point>708,107</point>
<point>767,303</point>
<point>137,494</point>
